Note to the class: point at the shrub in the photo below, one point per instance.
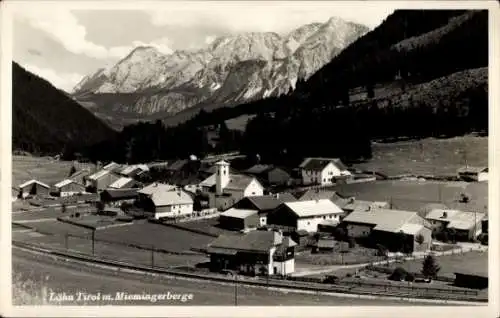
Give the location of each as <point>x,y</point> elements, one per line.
<point>398,274</point>
<point>410,277</point>
<point>77,214</point>
<point>382,250</point>
<point>430,268</point>
<point>352,242</point>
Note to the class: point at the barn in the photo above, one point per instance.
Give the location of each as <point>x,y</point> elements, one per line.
<point>33,187</point>
<point>68,187</point>
<point>238,219</point>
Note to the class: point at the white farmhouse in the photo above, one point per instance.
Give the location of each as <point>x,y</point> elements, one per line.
<point>305,215</point>
<point>161,200</point>
<point>322,171</point>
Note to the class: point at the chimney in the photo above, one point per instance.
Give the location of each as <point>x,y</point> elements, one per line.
<point>368,208</point>
<point>445,214</point>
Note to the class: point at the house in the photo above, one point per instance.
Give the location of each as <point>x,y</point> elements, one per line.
<point>124,183</point>
<point>134,170</point>
<point>80,176</point>
<point>473,173</point>
<point>101,180</point>
<point>474,280</point>
<point>317,194</point>
<point>325,245</point>
<point>165,201</point>
<point>270,175</point>
<point>112,167</point>
<point>323,171</point>
<point>33,187</point>
<point>254,253</point>
<point>116,197</point>
<point>361,205</point>
<point>466,224</point>
<point>68,187</point>
<point>225,189</point>
<point>395,229</point>
<point>263,204</point>
<point>304,215</point>
<point>238,219</point>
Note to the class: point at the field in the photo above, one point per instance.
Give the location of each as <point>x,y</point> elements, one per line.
<point>357,255</point>
<point>44,169</point>
<point>207,226</point>
<point>44,214</point>
<point>470,262</point>
<point>157,235</point>
<point>58,228</point>
<point>428,156</point>
<point>413,195</point>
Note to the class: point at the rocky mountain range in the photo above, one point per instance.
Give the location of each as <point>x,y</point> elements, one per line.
<point>147,84</point>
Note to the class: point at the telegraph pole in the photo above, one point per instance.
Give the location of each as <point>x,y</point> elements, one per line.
<point>152,256</point>
<point>93,242</point>
<point>236,289</point>
<point>66,241</point>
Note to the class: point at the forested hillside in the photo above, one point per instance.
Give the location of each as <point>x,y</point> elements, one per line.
<point>421,73</point>
<point>47,121</point>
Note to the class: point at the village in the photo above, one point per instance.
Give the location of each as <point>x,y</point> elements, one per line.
<point>320,222</point>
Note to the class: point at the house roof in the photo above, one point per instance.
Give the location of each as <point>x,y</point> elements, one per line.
<point>236,181</point>
<point>362,205</point>
<point>318,164</point>
<point>121,193</point>
<point>313,208</point>
<point>426,209</point>
<point>269,202</point>
<point>155,187</point>
<point>255,241</point>
<point>129,169</point>
<point>472,169</point>
<point>27,183</point>
<point>382,219</point>
<point>65,182</point>
<point>258,169</point>
<point>318,194</point>
<point>238,213</point>
<point>177,165</point>
<point>173,197</point>
<point>457,219</point>
<point>324,243</point>
<point>410,228</point>
<point>112,166</point>
<point>121,183</point>
<point>80,173</point>
<point>99,174</point>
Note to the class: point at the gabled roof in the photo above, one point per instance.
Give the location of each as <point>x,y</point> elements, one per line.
<point>313,208</point>
<point>384,219</point>
<point>269,202</point>
<point>255,241</point>
<point>156,187</point>
<point>318,194</point>
<point>239,182</point>
<point>27,183</point>
<point>112,166</point>
<point>122,183</point>
<point>177,165</point>
<point>318,164</point>
<point>65,183</point>
<point>80,173</point>
<point>258,169</point>
<point>472,169</point>
<point>173,197</point>
<point>236,181</point>
<point>362,205</point>
<point>98,174</point>
<point>129,169</point>
<point>238,213</point>
<point>118,194</point>
<point>460,220</point>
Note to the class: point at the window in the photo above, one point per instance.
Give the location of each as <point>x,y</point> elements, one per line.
<point>324,217</point>
<point>308,223</point>
<point>324,179</point>
<point>253,193</point>
<point>225,172</point>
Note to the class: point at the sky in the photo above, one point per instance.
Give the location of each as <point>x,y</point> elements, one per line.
<point>64,44</point>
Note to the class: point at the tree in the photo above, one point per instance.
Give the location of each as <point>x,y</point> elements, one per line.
<point>399,274</point>
<point>339,234</point>
<point>72,171</point>
<point>419,239</point>
<point>430,268</point>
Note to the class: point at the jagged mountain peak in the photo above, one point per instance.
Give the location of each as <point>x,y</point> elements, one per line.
<point>259,64</point>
